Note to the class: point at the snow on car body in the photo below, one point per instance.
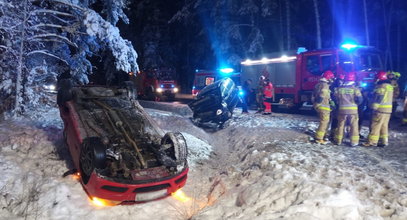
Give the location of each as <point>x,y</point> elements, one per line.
<point>120,152</point>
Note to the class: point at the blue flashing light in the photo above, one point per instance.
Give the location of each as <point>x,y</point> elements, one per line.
<point>363,84</point>
<point>172,85</point>
<point>241,93</point>
<point>227,70</point>
<point>193,87</point>
<point>162,86</point>
<point>349,46</point>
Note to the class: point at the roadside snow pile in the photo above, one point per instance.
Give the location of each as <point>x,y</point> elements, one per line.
<point>294,180</point>
<point>277,120</point>
<point>197,149</point>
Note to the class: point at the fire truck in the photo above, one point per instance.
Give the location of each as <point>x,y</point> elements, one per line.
<point>207,77</point>
<point>155,84</point>
<point>295,74</point>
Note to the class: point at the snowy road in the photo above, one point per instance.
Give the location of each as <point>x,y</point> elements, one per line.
<point>259,167</point>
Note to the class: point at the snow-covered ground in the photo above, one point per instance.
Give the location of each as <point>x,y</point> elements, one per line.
<point>259,167</point>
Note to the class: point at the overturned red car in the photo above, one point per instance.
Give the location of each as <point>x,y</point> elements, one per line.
<point>121,154</point>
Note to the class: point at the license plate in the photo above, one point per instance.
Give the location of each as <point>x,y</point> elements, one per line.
<point>150,195</point>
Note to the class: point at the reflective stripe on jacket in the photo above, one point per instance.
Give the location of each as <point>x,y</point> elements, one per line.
<point>383,98</point>
<point>322,96</point>
<point>345,97</point>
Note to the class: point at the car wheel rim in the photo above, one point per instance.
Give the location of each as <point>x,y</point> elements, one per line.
<point>86,161</point>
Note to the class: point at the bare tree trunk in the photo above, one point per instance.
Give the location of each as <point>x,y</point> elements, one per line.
<point>366,23</point>
<point>333,36</point>
<point>287,6</point>
<point>387,27</point>
<point>316,10</point>
<point>281,43</point>
<point>19,88</point>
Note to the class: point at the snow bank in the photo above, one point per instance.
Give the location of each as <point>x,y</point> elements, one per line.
<point>197,149</point>
<point>273,178</point>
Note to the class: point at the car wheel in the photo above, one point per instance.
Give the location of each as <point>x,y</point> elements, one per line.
<point>64,91</point>
<point>178,147</point>
<point>131,89</point>
<point>93,155</point>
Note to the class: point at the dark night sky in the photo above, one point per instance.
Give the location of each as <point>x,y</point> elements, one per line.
<point>186,45</point>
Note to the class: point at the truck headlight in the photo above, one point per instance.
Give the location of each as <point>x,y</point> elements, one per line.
<point>175,89</point>
<point>159,90</point>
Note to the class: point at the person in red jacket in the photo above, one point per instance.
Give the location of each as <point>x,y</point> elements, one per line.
<point>268,92</point>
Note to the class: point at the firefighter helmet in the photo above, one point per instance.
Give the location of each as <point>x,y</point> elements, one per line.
<point>328,75</point>
<point>392,74</point>
<point>350,77</point>
<point>340,76</point>
<point>381,75</point>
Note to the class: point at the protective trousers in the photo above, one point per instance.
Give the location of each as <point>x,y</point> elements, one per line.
<point>354,128</point>
<point>268,107</point>
<point>379,128</point>
<point>259,100</point>
<point>334,123</point>
<point>323,124</point>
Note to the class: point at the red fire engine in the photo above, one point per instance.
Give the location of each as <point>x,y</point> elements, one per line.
<point>294,76</point>
<point>156,83</point>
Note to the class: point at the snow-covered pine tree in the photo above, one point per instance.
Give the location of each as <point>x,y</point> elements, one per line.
<point>40,35</point>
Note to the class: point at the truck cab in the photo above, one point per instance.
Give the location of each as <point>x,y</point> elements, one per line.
<point>294,76</point>
<point>154,84</point>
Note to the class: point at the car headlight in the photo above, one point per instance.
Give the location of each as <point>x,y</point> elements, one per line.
<point>175,89</point>
<point>159,90</point>
<point>50,87</point>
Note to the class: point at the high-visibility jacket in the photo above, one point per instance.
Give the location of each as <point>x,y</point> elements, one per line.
<point>268,90</point>
<point>383,97</point>
<point>322,96</point>
<point>347,99</point>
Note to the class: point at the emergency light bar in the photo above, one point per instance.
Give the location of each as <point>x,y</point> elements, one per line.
<point>281,59</point>
<point>227,70</point>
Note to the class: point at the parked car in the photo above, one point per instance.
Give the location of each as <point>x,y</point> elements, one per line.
<point>214,104</point>
<point>120,152</point>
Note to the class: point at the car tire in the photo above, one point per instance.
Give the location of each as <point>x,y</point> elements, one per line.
<point>92,155</point>
<point>131,89</point>
<point>178,150</point>
<point>64,93</point>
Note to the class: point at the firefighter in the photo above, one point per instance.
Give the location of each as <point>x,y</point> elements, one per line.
<point>268,91</point>
<point>381,107</point>
<point>334,112</point>
<point>321,99</point>
<point>259,95</point>
<point>364,110</point>
<point>393,77</point>
<point>348,97</point>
